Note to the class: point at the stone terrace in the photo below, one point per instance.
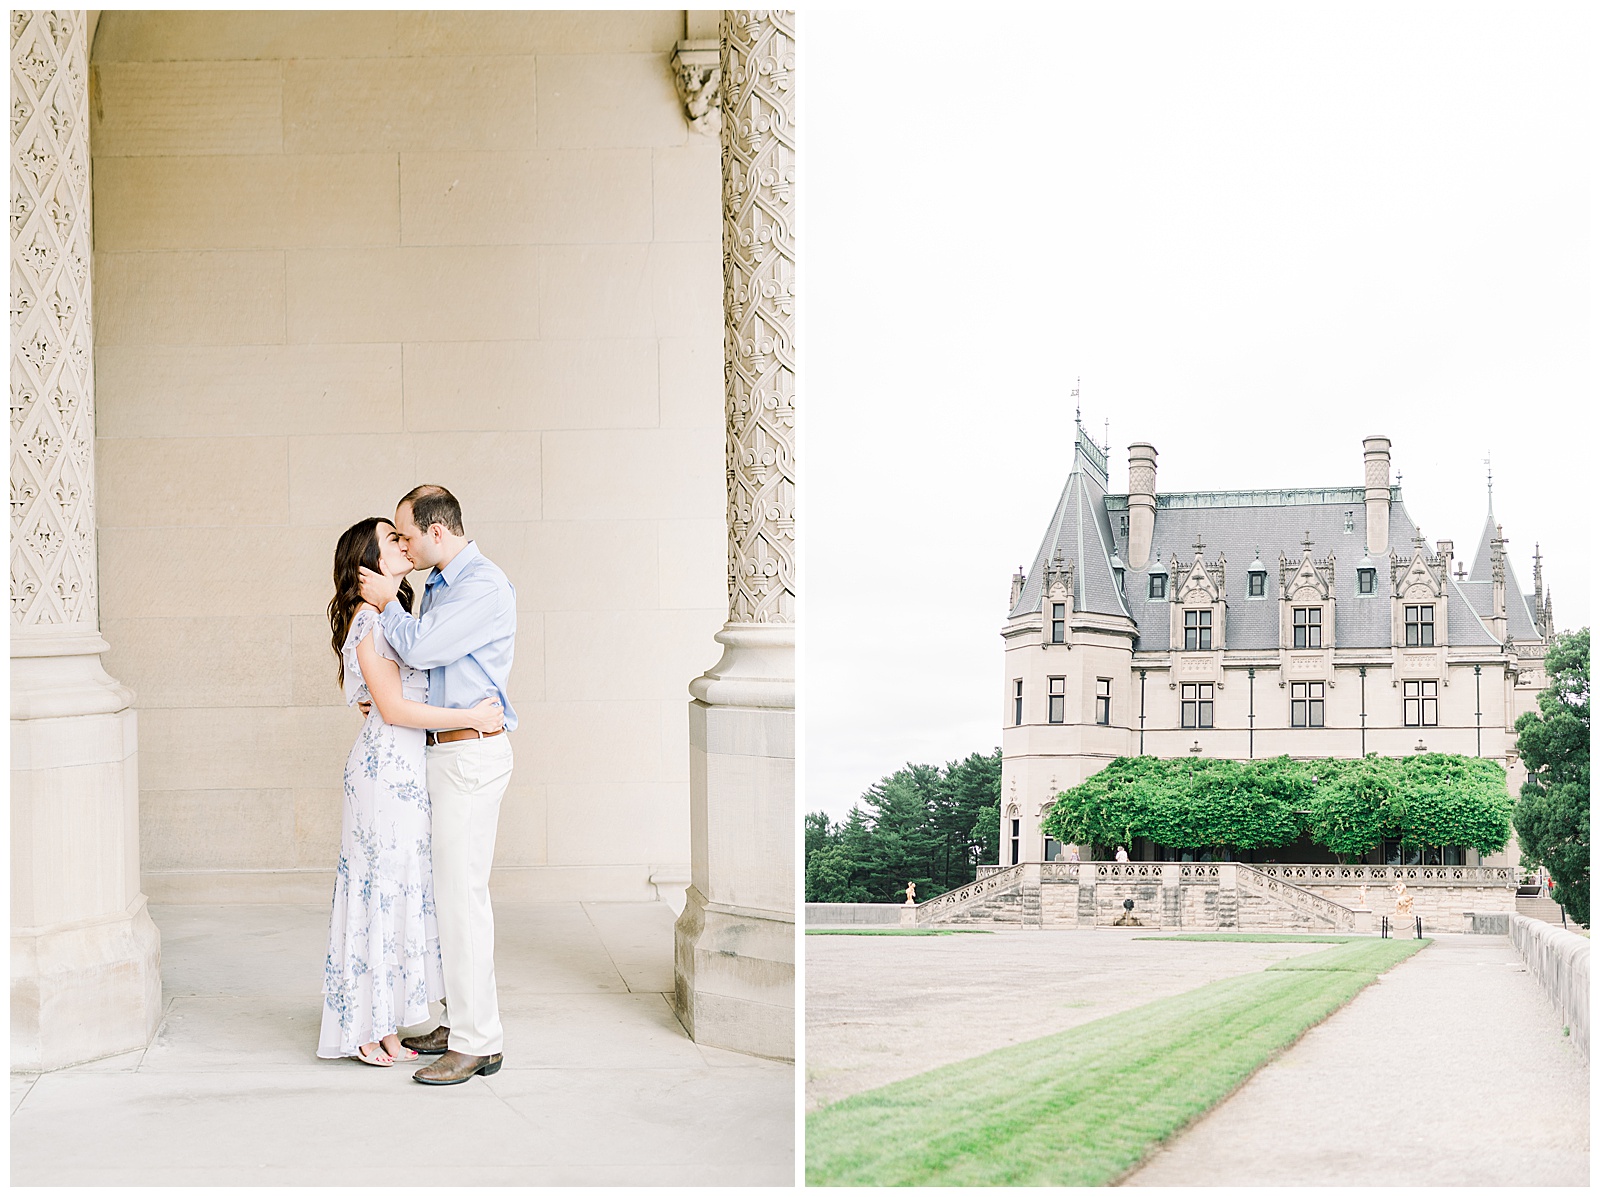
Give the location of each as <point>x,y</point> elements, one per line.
<point>600,1085</point>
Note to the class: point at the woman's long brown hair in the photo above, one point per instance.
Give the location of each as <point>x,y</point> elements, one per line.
<point>357,547</point>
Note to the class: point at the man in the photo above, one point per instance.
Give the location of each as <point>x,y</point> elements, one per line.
<point>463,635</point>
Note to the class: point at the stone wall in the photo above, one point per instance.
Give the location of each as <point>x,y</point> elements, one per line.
<point>340,253</point>
<point>1559,961</point>
<point>1441,907</point>
<point>841,914</point>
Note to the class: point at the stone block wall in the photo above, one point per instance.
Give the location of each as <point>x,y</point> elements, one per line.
<point>340,253</point>
<point>1442,907</point>
<point>1559,961</point>
<point>860,914</point>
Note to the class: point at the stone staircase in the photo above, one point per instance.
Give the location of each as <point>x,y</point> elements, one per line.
<point>1546,910</point>
<point>996,899</point>
<point>1307,909</point>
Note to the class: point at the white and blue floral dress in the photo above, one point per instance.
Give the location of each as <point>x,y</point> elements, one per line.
<point>383,939</point>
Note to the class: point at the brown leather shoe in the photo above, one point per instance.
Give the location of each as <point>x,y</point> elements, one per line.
<point>454,1067</point>
<point>431,1044</point>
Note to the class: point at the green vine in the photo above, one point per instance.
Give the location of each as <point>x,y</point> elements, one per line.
<point>1348,806</point>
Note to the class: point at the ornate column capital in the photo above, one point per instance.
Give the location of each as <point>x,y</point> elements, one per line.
<point>758,258</point>
<point>53,575</point>
<point>697,70</point>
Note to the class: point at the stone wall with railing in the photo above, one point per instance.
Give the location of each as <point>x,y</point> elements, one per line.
<point>1441,895</point>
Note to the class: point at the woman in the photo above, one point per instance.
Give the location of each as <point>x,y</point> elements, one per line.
<point>383,966</point>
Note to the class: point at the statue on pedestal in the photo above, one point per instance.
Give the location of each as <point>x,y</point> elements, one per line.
<point>911,893</point>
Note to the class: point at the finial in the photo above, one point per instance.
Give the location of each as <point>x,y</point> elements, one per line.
<point>1418,540</point>
<point>1306,543</point>
<point>1461,572</point>
<point>1077,405</point>
<point>1199,545</point>
<point>1489,470</point>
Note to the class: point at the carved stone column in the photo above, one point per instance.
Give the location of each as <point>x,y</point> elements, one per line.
<point>85,957</point>
<point>735,939</point>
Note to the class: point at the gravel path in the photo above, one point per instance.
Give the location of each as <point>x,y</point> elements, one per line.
<point>1450,1070</point>
<point>882,1008</point>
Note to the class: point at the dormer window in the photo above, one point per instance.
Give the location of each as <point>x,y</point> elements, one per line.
<point>1308,627</point>
<point>1158,586</point>
<point>1419,627</point>
<point>1349,522</point>
<point>1124,527</point>
<point>1058,623</point>
<point>1196,631</point>
<point>1258,583</point>
<point>1366,581</point>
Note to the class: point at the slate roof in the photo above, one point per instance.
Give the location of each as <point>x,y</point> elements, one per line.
<point>1086,528</point>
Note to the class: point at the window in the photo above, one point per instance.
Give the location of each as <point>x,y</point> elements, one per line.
<point>1102,700</point>
<point>1158,585</point>
<point>1419,627</point>
<point>1305,704</point>
<point>1308,627</point>
<point>1058,700</point>
<point>1258,583</point>
<point>1058,623</point>
<point>1422,704</point>
<point>1016,840</point>
<point>1366,581</point>
<point>1196,704</point>
<point>1349,522</point>
<point>1123,524</point>
<point>1016,702</point>
<point>1052,849</point>
<point>1196,630</point>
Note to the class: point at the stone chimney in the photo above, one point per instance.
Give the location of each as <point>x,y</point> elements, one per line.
<point>1141,503</point>
<point>1017,579</point>
<point>1376,454</point>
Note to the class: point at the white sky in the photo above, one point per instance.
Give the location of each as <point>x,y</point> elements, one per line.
<point>1258,233</point>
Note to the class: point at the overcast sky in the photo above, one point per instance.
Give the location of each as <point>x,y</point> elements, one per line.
<point>1258,234</point>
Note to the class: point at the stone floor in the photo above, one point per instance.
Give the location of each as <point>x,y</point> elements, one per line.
<point>880,1008</point>
<point>600,1084</point>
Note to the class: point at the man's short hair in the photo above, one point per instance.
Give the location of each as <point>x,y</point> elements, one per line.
<point>432,505</point>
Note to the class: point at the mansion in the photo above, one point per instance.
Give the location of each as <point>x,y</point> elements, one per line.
<point>1244,624</point>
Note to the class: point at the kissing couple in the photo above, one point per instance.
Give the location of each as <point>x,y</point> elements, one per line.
<point>411,919</point>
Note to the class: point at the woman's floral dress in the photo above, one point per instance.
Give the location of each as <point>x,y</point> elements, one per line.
<point>383,940</point>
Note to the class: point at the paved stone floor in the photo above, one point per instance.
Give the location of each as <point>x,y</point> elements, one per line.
<point>600,1084</point>
<point>1450,1070</point>
<point>882,1008</point>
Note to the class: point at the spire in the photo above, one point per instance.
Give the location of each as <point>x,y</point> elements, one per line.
<point>1489,471</point>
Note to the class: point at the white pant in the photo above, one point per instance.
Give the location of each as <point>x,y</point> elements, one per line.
<point>466,780</point>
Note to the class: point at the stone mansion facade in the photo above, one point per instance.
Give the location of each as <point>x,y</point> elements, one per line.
<point>1243,624</point>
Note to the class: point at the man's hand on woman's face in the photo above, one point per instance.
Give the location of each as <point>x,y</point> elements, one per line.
<point>377,589</point>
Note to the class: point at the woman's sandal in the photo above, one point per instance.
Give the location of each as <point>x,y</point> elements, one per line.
<point>381,1060</point>
<point>404,1055</point>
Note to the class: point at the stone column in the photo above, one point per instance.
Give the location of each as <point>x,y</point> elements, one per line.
<point>85,957</point>
<point>736,937</point>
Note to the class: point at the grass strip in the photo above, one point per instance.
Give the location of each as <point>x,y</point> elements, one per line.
<point>1084,1106</point>
<point>898,931</point>
<point>1251,937</point>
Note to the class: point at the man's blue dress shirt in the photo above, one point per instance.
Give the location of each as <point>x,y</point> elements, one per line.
<point>464,635</point>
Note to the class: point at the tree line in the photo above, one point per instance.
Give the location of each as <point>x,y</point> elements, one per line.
<point>922,824</point>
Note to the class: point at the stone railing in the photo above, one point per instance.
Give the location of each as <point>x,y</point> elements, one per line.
<point>948,903</point>
<point>991,870</point>
<point>1559,962</point>
<point>1132,870</point>
<point>1339,874</point>
<point>1258,881</point>
<point>1199,874</point>
<point>1060,870</point>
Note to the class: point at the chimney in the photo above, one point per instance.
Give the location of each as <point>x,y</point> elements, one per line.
<point>1017,579</point>
<point>1141,503</point>
<point>1376,455</point>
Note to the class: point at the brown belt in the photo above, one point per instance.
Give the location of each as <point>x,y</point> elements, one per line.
<point>460,733</point>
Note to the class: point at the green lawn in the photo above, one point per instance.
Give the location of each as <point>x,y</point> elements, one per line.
<point>1254,937</point>
<point>897,931</point>
<point>1085,1106</point>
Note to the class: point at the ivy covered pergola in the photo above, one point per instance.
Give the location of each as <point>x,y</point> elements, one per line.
<point>1348,806</point>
